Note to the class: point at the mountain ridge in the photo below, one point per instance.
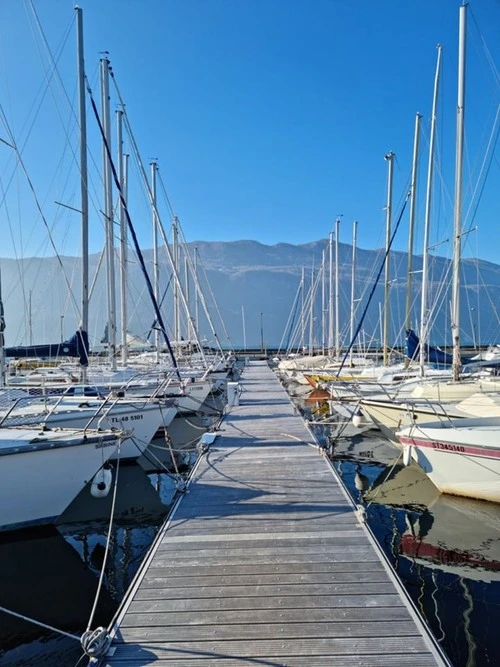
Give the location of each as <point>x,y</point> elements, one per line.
<point>253,283</point>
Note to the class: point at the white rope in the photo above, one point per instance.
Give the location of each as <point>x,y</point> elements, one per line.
<point>42,625</point>
<point>96,642</point>
<point>180,482</point>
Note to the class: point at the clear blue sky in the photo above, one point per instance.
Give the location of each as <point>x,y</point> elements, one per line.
<point>268,117</point>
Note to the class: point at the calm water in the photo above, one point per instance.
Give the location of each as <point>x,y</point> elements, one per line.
<point>446,551</point>
<point>51,573</point>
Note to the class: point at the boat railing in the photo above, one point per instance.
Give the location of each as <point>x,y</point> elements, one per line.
<point>106,407</point>
<point>15,418</point>
<point>161,384</point>
<point>10,418</point>
<point>440,416</point>
<point>384,389</point>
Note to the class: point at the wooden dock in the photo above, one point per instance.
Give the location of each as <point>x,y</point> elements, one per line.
<point>264,562</point>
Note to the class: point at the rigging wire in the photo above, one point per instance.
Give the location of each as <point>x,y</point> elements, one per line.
<point>133,233</point>
<point>37,203</point>
<point>374,287</point>
<point>158,222</point>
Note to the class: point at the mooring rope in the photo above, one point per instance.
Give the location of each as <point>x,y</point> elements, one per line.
<point>96,642</point>
<point>385,480</point>
<point>42,625</point>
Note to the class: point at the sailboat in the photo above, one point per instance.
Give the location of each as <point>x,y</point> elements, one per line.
<point>461,457</point>
<point>42,471</point>
<point>45,466</point>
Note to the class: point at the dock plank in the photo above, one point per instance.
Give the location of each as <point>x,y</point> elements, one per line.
<point>264,561</point>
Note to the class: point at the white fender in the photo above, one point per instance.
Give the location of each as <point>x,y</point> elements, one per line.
<point>101,484</point>
<point>407,455</point>
<point>357,419</point>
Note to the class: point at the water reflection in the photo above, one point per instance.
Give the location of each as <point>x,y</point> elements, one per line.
<point>51,574</point>
<point>445,549</point>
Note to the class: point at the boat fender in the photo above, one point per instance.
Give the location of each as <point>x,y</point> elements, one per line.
<point>101,484</point>
<point>407,455</point>
<point>361,514</point>
<point>357,419</point>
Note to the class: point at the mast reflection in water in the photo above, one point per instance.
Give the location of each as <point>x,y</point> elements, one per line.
<point>445,549</point>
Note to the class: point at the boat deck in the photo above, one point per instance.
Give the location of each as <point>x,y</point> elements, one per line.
<point>264,562</point>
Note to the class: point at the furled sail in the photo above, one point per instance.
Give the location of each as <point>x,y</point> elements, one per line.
<point>433,355</point>
<point>76,346</point>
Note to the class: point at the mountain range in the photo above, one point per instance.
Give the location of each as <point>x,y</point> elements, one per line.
<point>257,289</point>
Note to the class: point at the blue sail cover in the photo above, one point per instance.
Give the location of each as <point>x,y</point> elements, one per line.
<point>76,346</point>
<point>433,355</point>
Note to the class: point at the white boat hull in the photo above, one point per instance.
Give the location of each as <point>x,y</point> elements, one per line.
<point>195,394</point>
<point>461,457</point>
<point>142,419</point>
<point>37,486</point>
<point>392,416</point>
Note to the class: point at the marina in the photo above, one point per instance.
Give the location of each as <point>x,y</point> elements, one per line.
<point>442,550</point>
<point>196,466</point>
<point>265,526</point>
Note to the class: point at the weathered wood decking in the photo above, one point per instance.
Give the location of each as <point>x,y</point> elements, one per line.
<point>264,562</point>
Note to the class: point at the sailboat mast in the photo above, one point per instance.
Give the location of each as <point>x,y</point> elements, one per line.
<point>302,312</point>
<point>330,295</point>
<point>353,284</point>
<point>311,314</point>
<point>385,332</point>
<point>156,268</point>
<point>175,244</point>
<point>323,302</point>
<point>457,240</point>
<point>121,159</point>
<point>411,232</point>
<point>424,334</point>
<point>108,214</point>
<point>2,338</point>
<point>84,194</point>
<point>337,292</point>
<point>196,297</point>
<point>187,287</point>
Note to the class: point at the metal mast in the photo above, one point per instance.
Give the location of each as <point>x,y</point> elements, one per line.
<point>122,177</point>
<point>353,284</point>
<point>457,240</point>
<point>84,194</point>
<point>337,293</point>
<point>390,159</point>
<point>302,314</point>
<point>411,232</point>
<point>196,297</point>
<point>175,244</point>
<point>108,213</point>
<point>311,314</point>
<point>330,295</point>
<point>2,338</point>
<point>323,302</point>
<point>156,266</point>
<point>424,334</point>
